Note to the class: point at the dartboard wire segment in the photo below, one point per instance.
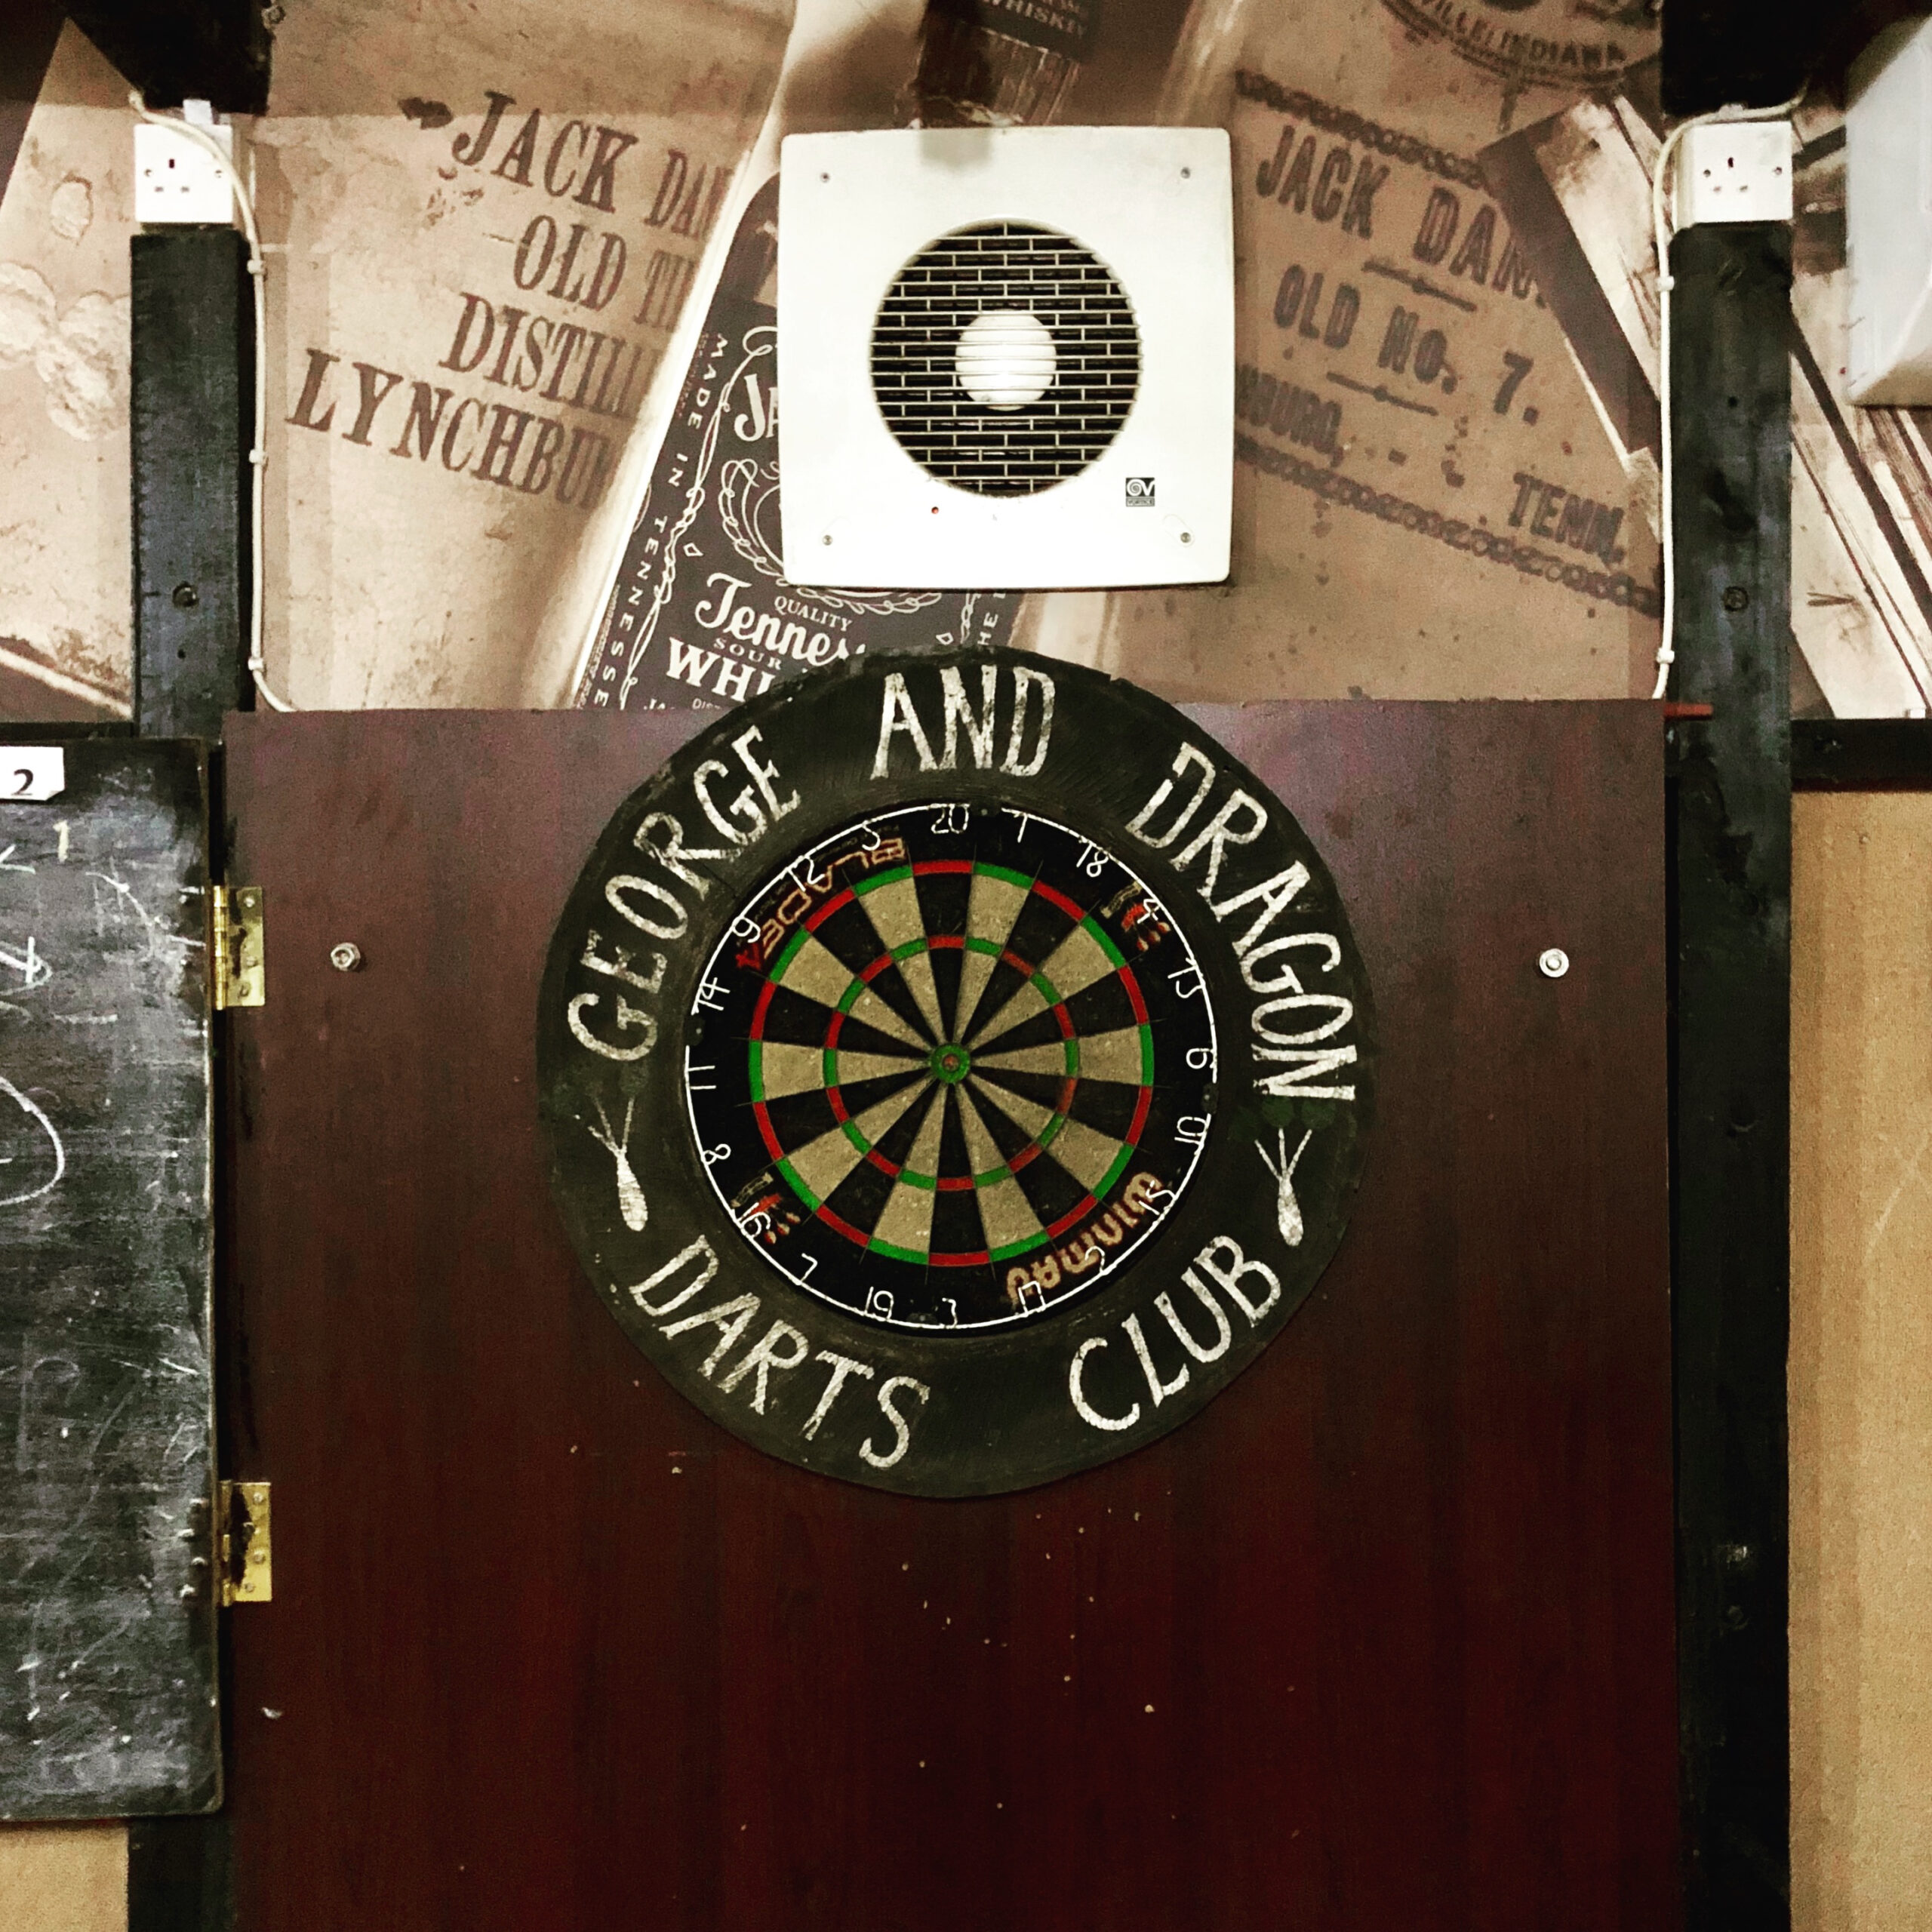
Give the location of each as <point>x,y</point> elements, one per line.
<point>956,1066</point>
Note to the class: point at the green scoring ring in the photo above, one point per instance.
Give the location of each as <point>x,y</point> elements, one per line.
<point>856,986</point>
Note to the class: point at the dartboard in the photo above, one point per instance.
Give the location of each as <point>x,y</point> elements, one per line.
<point>940,1027</point>
<point>955,1070</point>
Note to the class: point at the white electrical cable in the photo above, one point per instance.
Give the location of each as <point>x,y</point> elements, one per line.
<point>1661,230</point>
<point>258,452</point>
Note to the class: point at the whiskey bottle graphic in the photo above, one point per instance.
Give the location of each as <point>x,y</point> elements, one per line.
<point>701,616</point>
<point>999,63</point>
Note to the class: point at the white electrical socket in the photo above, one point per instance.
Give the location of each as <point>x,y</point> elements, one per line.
<point>176,179</point>
<point>1734,170</point>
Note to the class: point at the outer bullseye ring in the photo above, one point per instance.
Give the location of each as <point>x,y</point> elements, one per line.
<point>950,1064</point>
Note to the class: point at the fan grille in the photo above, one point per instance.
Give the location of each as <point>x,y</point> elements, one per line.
<point>1015,267</point>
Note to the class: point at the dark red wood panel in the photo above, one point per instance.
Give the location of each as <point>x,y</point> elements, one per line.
<point>1384,1639</point>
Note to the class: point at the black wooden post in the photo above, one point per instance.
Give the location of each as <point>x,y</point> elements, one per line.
<point>1731,902</point>
<point>193,425</point>
<point>192,410</point>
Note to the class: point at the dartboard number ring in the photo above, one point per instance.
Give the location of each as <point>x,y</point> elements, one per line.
<point>948,1066</point>
<point>955,1070</point>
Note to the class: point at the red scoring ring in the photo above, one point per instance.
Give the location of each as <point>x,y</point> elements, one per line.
<point>953,943</point>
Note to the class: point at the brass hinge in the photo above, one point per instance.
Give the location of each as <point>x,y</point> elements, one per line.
<point>236,975</point>
<point>247,1556</point>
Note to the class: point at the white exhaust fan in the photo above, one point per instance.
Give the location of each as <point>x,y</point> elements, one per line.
<point>1006,357</point>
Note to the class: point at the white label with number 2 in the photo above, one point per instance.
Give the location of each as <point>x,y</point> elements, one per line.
<point>31,772</point>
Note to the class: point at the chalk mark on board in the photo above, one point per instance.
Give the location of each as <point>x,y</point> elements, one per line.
<point>24,1455</point>
<point>7,865</point>
<point>128,1395</point>
<point>34,970</point>
<point>1914,1171</point>
<point>32,1108</point>
<point>159,937</point>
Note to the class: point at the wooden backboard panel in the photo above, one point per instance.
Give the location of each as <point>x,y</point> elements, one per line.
<point>1383,1638</point>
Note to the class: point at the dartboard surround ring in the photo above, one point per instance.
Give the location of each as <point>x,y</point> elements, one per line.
<point>954,1069</point>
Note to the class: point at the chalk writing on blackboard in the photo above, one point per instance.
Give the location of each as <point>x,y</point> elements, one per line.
<point>107,1677</point>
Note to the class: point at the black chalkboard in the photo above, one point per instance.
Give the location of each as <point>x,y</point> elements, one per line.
<point>107,1611</point>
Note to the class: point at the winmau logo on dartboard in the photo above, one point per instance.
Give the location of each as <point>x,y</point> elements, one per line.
<point>1569,44</point>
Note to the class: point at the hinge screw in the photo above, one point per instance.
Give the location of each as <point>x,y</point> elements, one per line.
<point>346,957</point>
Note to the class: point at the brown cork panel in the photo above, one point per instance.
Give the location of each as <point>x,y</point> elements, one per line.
<point>1861,1397</point>
<point>63,1878</point>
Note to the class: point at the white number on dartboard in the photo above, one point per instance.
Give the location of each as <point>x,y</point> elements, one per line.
<point>879,1302</point>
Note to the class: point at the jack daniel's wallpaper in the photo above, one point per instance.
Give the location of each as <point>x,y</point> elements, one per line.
<point>1435,496</point>
<point>519,335</point>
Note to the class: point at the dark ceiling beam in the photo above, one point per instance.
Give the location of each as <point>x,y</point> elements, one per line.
<point>1757,52</point>
<point>216,51</point>
<point>28,30</point>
